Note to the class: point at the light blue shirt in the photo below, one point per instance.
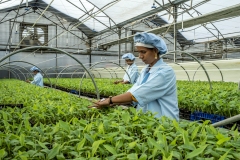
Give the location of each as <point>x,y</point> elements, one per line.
<point>159,93</point>
<point>38,80</point>
<point>132,72</point>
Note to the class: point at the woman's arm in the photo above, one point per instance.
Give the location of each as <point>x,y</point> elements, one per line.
<point>119,99</point>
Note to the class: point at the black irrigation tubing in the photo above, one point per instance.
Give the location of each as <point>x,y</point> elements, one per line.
<point>56,49</point>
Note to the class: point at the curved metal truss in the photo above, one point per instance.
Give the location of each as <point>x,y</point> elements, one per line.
<point>60,51</point>
<point>14,65</point>
<point>173,52</point>
<point>24,68</point>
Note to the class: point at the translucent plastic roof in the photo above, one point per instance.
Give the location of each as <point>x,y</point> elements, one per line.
<point>226,27</point>
<point>107,13</point>
<point>10,3</point>
<point>118,11</point>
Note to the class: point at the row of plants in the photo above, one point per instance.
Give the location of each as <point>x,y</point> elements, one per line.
<point>57,125</point>
<point>106,86</point>
<point>223,99</point>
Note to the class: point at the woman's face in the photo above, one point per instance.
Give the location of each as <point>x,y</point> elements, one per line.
<point>146,54</point>
<point>35,72</point>
<point>129,62</point>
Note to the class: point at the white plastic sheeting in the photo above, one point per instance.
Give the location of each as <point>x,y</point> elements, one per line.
<point>227,27</point>
<point>221,70</point>
<point>6,4</point>
<point>118,11</point>
<point>122,10</point>
<point>226,70</point>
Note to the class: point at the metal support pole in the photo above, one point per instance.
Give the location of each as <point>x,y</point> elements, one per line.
<point>226,55</point>
<point>8,49</point>
<point>239,85</point>
<point>119,45</point>
<point>126,30</point>
<point>90,52</point>
<point>56,54</point>
<point>175,31</point>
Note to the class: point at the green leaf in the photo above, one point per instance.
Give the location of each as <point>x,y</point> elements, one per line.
<point>101,128</point>
<point>236,155</point>
<point>132,145</point>
<point>126,117</point>
<point>42,145</point>
<point>225,139</point>
<point>65,126</point>
<point>26,122</point>
<point>32,152</point>
<point>96,145</point>
<point>39,155</point>
<point>196,152</point>
<point>19,128</point>
<point>60,157</point>
<point>23,157</point>
<point>185,137</point>
<point>173,143</point>
<point>22,139</point>
<point>53,152</point>
<point>143,157</point>
<point>122,129</point>
<point>214,130</point>
<point>194,133</point>
<point>223,157</point>
<point>177,155</point>
<point>175,124</point>
<point>168,158</point>
<point>132,156</point>
<point>110,149</point>
<point>81,144</point>
<point>89,138</point>
<point>215,154</point>
<point>155,144</point>
<point>3,153</point>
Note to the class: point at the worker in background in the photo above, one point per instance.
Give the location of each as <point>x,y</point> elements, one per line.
<point>132,70</point>
<point>38,78</point>
<point>155,89</point>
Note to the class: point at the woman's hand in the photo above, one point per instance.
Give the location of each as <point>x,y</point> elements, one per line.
<point>101,103</point>
<point>116,82</point>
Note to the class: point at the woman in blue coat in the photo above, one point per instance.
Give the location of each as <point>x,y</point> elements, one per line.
<point>155,89</point>
<point>38,78</point>
<point>132,70</point>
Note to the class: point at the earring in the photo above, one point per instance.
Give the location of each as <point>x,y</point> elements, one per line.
<point>155,55</point>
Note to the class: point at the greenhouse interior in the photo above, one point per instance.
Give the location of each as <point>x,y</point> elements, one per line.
<point>120,79</point>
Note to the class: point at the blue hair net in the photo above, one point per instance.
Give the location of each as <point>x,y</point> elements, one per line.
<point>151,39</point>
<point>34,68</point>
<point>128,56</point>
